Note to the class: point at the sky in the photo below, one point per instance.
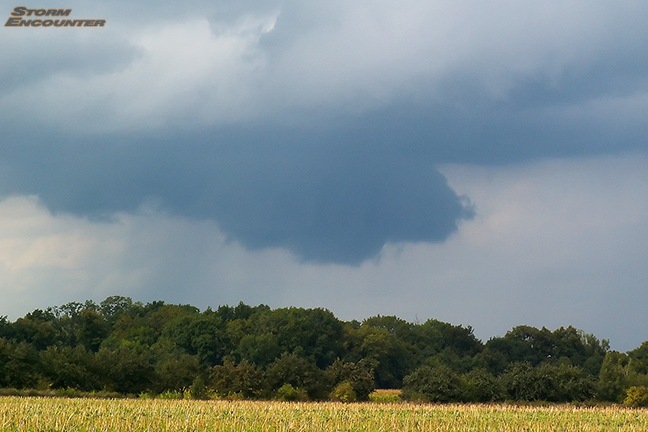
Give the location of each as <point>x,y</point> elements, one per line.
<point>480,163</point>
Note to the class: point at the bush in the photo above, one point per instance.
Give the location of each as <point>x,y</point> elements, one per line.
<point>637,396</point>
<point>171,394</point>
<point>344,392</point>
<point>198,389</point>
<point>481,386</point>
<point>289,393</point>
<point>523,382</point>
<point>433,384</point>
<point>568,383</point>
<point>244,379</point>
<point>548,382</point>
<point>360,375</point>
<point>299,373</point>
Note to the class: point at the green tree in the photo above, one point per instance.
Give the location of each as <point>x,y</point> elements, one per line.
<point>582,349</point>
<point>93,329</point>
<point>19,365</point>
<point>289,393</point>
<point>260,349</point>
<point>640,358</point>
<point>526,344</point>
<point>300,373</point>
<point>433,384</point>
<point>175,373</point>
<point>479,385</point>
<point>25,366</point>
<point>198,389</point>
<point>126,369</point>
<point>358,375</point>
<point>198,334</point>
<point>143,325</point>
<point>244,379</point>
<point>400,328</point>
<point>523,382</point>
<point>388,356</point>
<point>434,336</point>
<point>114,306</point>
<point>67,367</point>
<point>37,328</point>
<point>612,381</point>
<point>344,392</point>
<point>240,312</point>
<point>6,329</point>
<point>636,397</point>
<point>312,333</point>
<point>566,383</point>
<point>551,382</point>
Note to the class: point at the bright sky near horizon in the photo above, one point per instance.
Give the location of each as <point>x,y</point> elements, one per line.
<point>481,163</point>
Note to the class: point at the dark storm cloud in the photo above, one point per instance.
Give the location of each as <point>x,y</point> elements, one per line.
<point>334,194</point>
<point>324,202</point>
<point>387,94</point>
<point>337,206</point>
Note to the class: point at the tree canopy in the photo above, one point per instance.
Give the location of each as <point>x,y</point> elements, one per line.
<point>126,346</point>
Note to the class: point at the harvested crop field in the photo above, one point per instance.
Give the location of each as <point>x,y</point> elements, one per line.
<point>49,414</point>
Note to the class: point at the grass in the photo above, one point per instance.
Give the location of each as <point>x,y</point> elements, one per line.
<point>61,414</point>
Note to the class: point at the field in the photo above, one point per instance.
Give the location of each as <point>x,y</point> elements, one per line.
<point>58,414</point>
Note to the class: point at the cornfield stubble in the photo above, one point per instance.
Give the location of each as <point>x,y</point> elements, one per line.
<point>49,414</point>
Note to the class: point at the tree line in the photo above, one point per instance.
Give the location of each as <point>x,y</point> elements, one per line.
<point>243,351</point>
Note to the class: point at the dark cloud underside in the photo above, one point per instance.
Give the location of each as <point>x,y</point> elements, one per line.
<point>336,190</point>
<point>325,201</point>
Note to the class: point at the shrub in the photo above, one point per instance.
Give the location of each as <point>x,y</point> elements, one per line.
<point>481,386</point>
<point>244,379</point>
<point>300,373</point>
<point>637,396</point>
<point>359,375</point>
<point>523,382</point>
<point>289,393</point>
<point>344,392</point>
<point>433,384</point>
<point>171,394</point>
<point>198,389</point>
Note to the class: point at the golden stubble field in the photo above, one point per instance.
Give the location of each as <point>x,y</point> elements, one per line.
<point>59,414</point>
